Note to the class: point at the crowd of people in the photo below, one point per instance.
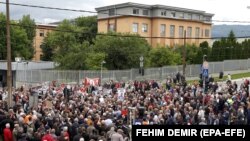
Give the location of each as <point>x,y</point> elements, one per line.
<point>106,113</point>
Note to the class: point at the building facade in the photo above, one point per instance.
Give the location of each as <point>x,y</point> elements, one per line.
<point>41,33</point>
<point>160,25</point>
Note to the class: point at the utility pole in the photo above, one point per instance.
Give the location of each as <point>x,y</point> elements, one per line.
<point>9,69</point>
<point>184,55</point>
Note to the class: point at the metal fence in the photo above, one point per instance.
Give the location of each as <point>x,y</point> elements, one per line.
<point>66,76</point>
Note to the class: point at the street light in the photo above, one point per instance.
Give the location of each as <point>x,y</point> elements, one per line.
<point>17,60</point>
<point>103,62</point>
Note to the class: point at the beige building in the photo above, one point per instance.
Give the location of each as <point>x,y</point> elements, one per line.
<point>41,32</point>
<point>160,25</point>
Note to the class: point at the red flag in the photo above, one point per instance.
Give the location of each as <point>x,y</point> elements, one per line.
<point>91,81</point>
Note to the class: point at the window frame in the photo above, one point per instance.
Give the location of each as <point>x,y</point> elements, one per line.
<point>207,32</point>
<point>197,32</point>
<point>181,32</point>
<point>163,32</point>
<point>163,13</point>
<point>143,12</point>
<point>112,13</point>
<point>189,32</point>
<point>144,26</point>
<point>136,10</point>
<point>133,27</point>
<point>172,31</point>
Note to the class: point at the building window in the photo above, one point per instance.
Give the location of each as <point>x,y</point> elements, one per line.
<point>189,32</point>
<point>111,27</point>
<point>136,11</point>
<point>135,27</point>
<point>202,33</point>
<point>145,12</point>
<point>198,17</point>
<point>111,12</point>
<point>164,13</point>
<point>207,19</point>
<point>41,34</point>
<point>189,16</point>
<point>181,15</point>
<point>172,30</point>
<point>181,31</point>
<point>197,32</point>
<point>207,33</point>
<point>173,14</point>
<point>144,27</point>
<point>163,29</point>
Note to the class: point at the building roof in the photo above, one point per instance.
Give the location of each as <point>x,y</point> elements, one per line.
<point>157,6</point>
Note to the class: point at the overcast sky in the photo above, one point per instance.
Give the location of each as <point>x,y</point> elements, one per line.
<point>224,10</point>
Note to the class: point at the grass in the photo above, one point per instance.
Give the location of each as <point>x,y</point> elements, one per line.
<point>233,76</point>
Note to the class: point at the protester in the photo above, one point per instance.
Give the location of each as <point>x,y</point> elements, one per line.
<point>92,112</point>
<point>7,133</point>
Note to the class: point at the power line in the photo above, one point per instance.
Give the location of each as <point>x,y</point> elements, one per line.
<point>94,12</point>
<point>52,8</point>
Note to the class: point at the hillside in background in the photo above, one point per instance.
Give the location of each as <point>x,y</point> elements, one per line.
<point>223,30</point>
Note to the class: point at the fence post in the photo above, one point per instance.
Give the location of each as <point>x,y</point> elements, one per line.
<point>41,78</point>
<point>79,75</point>
<point>223,66</point>
<point>213,68</point>
<point>190,69</point>
<point>131,74</point>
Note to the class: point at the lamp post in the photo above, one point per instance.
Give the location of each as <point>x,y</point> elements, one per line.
<point>141,65</point>
<point>17,60</point>
<point>103,62</point>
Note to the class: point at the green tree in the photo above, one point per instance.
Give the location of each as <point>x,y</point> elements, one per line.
<point>88,28</point>
<point>162,56</point>
<point>203,49</point>
<point>231,39</point>
<point>29,26</point>
<point>245,50</point>
<point>20,44</point>
<point>48,47</point>
<point>122,52</point>
<point>191,53</point>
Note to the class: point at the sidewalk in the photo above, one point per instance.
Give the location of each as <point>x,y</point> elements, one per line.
<point>217,74</point>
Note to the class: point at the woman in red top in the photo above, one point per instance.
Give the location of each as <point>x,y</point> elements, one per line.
<point>7,133</point>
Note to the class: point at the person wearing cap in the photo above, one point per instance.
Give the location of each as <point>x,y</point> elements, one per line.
<point>117,136</point>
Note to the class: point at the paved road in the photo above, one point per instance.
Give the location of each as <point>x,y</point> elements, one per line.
<point>238,81</point>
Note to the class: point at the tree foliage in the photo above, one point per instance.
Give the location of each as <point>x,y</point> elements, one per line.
<point>122,52</point>
<point>21,43</point>
<point>80,48</point>
<point>162,56</point>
